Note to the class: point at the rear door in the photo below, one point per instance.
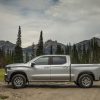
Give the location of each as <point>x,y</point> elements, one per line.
<point>59,68</point>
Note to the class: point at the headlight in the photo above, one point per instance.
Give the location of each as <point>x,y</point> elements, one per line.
<point>8,68</point>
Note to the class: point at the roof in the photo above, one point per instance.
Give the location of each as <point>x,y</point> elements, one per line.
<point>54,55</point>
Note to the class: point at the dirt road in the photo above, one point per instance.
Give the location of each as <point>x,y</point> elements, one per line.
<point>51,91</point>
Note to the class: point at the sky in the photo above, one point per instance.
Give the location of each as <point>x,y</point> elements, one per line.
<point>62,20</point>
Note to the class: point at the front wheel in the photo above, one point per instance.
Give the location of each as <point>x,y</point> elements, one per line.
<point>18,81</point>
<point>85,81</point>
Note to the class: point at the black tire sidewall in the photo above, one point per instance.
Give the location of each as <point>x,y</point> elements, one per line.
<point>76,82</point>
<point>24,81</point>
<point>80,80</point>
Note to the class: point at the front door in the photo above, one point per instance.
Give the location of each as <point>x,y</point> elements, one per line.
<point>41,69</point>
<point>59,68</point>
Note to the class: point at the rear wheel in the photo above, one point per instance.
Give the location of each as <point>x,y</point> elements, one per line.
<point>85,81</point>
<point>18,81</point>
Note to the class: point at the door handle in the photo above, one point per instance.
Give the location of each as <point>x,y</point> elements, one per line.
<point>46,67</point>
<point>66,67</point>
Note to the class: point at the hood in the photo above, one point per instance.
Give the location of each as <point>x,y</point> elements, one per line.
<point>17,65</point>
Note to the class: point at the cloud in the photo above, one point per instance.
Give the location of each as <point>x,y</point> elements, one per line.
<point>62,20</point>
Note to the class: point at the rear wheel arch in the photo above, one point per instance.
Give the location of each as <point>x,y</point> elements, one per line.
<point>86,72</point>
<point>18,72</point>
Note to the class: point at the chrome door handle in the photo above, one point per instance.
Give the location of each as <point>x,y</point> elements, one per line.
<point>46,67</point>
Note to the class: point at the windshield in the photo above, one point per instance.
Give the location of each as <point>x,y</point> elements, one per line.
<point>33,60</point>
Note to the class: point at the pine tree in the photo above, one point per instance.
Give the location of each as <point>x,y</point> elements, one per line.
<point>2,57</point>
<point>79,49</point>
<point>88,52</point>
<point>51,50</point>
<point>84,55</point>
<point>95,49</point>
<point>74,55</point>
<point>18,53</point>
<point>1,60</point>
<point>70,48</point>
<point>33,51</point>
<point>98,54</point>
<point>67,50</point>
<point>8,57</point>
<point>12,56</point>
<point>59,50</point>
<point>8,52</point>
<point>27,57</point>
<point>39,50</point>
<point>1,52</point>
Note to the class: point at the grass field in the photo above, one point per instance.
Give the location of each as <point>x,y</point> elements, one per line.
<point>2,71</point>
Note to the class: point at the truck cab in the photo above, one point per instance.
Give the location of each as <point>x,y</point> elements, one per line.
<point>50,68</point>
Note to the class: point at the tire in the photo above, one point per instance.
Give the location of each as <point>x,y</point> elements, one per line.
<point>18,81</point>
<point>77,83</point>
<point>85,81</point>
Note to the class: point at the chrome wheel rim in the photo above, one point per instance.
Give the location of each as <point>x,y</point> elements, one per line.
<point>18,81</point>
<point>86,81</point>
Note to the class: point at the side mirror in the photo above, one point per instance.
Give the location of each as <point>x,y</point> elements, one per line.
<point>32,64</point>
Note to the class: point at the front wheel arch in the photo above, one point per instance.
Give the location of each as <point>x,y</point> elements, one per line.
<point>18,72</point>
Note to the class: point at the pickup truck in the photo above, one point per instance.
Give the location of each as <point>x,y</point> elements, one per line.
<point>52,68</point>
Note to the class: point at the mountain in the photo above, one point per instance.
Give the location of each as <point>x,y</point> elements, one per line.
<point>87,42</point>
<point>7,45</point>
<point>47,45</point>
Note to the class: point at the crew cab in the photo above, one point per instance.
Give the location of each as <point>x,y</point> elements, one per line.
<point>52,68</point>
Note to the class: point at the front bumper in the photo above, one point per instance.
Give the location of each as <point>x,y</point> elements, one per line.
<point>6,78</point>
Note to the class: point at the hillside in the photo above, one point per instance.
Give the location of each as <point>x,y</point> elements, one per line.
<point>8,45</point>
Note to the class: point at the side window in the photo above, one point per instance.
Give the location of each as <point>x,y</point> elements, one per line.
<point>42,61</point>
<point>58,60</point>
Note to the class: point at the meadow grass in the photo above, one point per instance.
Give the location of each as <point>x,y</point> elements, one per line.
<point>2,71</point>
<point>2,97</point>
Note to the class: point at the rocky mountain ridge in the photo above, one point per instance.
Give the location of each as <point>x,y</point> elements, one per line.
<point>47,45</point>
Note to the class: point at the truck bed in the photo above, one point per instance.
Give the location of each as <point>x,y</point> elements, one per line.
<point>85,65</point>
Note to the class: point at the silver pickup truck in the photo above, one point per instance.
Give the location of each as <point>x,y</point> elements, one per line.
<point>52,68</point>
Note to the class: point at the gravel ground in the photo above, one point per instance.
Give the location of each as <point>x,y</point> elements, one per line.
<point>51,91</point>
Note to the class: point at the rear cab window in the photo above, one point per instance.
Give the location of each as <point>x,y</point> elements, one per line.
<point>58,60</point>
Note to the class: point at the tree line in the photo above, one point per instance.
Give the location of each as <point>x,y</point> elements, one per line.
<point>83,54</point>
<point>79,53</point>
<point>16,56</point>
